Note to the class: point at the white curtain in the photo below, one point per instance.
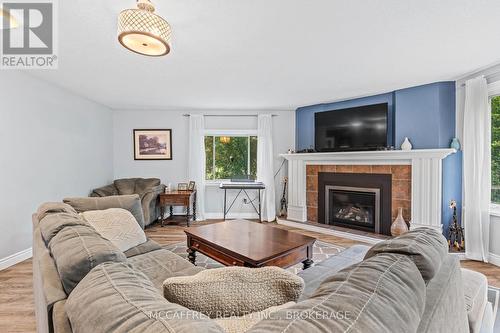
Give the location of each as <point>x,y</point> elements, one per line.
<point>265,170</point>
<point>477,169</point>
<point>196,165</point>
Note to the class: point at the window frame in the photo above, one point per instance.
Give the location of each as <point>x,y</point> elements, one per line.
<point>494,91</point>
<point>232,133</point>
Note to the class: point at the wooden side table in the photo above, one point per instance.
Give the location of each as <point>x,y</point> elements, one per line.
<point>177,198</point>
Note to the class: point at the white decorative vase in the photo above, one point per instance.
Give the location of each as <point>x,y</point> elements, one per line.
<point>399,225</point>
<point>406,145</point>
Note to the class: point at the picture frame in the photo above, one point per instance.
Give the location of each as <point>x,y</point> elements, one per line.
<point>182,187</point>
<point>152,144</point>
<point>192,185</point>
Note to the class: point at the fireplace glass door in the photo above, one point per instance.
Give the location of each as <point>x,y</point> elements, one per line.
<point>353,207</point>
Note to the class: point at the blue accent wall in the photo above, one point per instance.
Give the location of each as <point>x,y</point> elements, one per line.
<point>425,114</point>
<point>305,117</point>
<point>452,189</point>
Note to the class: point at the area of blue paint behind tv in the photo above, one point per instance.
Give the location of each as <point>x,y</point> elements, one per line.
<point>425,114</point>
<point>305,117</point>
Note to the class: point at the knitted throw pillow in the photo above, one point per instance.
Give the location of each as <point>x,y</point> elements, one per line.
<point>234,291</point>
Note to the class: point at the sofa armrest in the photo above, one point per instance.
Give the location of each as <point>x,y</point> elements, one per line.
<point>149,201</point>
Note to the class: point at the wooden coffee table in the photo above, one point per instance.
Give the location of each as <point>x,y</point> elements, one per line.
<point>249,244</point>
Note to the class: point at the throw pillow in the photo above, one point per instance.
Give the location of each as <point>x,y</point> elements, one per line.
<point>244,323</point>
<point>234,291</point>
<point>117,225</point>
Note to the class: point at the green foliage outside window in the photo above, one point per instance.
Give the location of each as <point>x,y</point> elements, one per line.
<point>230,157</point>
<point>495,149</point>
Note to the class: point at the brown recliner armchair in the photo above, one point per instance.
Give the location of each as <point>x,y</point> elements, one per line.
<point>148,190</point>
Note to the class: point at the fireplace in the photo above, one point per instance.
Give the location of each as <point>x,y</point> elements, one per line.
<point>355,201</point>
<point>353,207</point>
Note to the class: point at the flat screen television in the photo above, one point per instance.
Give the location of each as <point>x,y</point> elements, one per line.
<point>352,129</point>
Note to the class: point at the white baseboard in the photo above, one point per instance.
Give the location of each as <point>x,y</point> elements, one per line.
<point>348,235</point>
<point>15,258</point>
<point>460,255</point>
<point>494,259</point>
<point>231,216</point>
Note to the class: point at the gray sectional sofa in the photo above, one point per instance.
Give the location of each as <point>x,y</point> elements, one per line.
<point>84,284</point>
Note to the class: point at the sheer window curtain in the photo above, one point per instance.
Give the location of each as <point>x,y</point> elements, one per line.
<point>196,166</point>
<point>477,169</point>
<point>265,168</point>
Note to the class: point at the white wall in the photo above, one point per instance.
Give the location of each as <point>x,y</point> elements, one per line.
<point>53,144</point>
<point>175,171</point>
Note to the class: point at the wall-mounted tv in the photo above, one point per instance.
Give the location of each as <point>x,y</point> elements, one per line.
<point>352,129</point>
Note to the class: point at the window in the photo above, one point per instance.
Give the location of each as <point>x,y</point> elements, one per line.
<point>230,156</point>
<point>495,149</point>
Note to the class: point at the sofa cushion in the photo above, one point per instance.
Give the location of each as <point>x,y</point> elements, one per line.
<point>425,246</point>
<point>382,294</point>
<point>53,207</point>
<point>125,186</point>
<point>132,203</point>
<point>244,323</point>
<point>445,300</point>
<point>77,249</point>
<point>234,291</point>
<point>148,246</point>
<point>143,185</point>
<point>51,224</point>
<point>117,225</point>
<point>114,297</point>
<point>162,264</point>
<point>320,271</point>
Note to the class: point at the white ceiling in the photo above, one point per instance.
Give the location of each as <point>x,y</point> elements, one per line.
<point>273,54</point>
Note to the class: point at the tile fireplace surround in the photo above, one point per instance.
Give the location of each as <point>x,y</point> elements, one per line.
<point>416,181</point>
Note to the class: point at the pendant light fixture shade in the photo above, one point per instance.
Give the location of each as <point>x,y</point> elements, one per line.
<point>143,32</point>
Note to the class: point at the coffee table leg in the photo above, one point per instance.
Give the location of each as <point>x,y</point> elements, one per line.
<point>307,263</point>
<point>192,256</point>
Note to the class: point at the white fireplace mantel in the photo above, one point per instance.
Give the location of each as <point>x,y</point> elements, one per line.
<point>426,179</point>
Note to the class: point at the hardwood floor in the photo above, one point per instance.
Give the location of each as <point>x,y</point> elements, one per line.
<point>16,297</point>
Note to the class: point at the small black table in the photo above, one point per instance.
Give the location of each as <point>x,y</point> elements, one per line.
<point>242,187</point>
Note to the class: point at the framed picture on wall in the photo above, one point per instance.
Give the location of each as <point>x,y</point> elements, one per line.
<point>152,144</point>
